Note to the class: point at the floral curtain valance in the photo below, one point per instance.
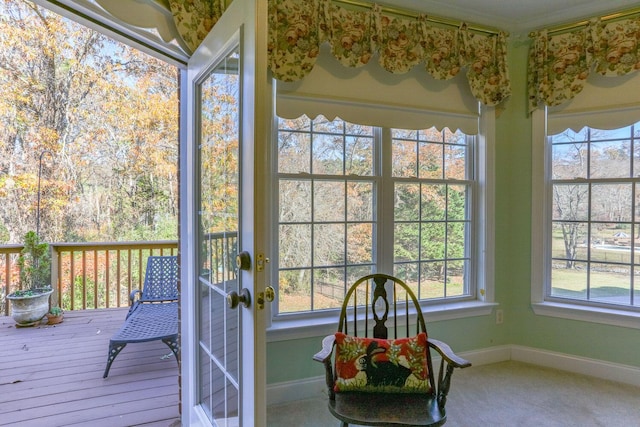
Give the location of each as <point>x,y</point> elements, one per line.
<point>560,64</point>
<point>297,29</point>
<point>195,18</point>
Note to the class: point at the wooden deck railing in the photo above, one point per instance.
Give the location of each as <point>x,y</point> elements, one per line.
<point>87,275</point>
<point>103,274</point>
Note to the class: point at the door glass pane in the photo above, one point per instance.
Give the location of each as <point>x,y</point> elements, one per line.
<point>217,205</point>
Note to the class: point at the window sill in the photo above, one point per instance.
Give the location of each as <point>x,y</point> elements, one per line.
<point>322,324</point>
<point>606,316</point>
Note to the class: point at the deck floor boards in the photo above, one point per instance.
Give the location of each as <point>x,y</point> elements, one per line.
<point>52,375</point>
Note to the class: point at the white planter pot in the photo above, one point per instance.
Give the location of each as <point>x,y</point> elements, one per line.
<point>29,310</point>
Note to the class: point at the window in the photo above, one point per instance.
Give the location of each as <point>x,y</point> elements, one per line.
<point>586,215</point>
<point>355,199</point>
<point>595,217</point>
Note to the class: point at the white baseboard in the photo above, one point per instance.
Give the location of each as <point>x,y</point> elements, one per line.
<point>308,388</point>
<point>580,365</point>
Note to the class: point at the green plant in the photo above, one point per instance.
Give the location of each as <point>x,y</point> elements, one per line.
<point>35,265</point>
<point>55,311</point>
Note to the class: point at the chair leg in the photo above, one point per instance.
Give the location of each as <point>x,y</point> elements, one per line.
<point>114,349</point>
<point>173,345</point>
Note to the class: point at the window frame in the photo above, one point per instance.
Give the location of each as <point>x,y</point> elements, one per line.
<point>306,324</point>
<point>541,223</point>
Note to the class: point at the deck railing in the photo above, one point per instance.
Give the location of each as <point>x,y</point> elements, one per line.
<point>103,274</point>
<point>87,275</point>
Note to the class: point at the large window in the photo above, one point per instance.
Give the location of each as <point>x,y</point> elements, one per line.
<point>594,205</point>
<point>356,199</point>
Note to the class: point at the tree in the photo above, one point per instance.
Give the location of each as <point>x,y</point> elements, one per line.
<point>107,112</point>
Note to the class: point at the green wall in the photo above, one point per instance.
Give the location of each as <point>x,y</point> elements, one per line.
<point>291,360</point>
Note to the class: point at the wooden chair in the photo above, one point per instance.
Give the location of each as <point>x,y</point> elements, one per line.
<point>380,392</point>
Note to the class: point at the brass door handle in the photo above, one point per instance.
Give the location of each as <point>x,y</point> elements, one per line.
<point>269,295</point>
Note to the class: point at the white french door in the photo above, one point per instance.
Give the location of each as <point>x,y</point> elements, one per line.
<point>223,235</point>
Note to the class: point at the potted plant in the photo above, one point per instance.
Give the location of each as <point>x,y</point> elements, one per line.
<point>54,316</point>
<point>30,302</point>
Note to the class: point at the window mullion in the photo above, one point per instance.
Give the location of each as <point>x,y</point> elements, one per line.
<point>384,205</point>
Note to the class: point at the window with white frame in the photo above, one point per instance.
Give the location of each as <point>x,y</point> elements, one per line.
<point>593,232</point>
<point>355,199</point>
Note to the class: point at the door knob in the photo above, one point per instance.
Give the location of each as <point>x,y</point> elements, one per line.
<point>234,299</point>
<point>243,260</point>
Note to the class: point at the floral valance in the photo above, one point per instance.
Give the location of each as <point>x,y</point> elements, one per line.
<point>559,64</point>
<point>195,18</point>
<point>298,28</point>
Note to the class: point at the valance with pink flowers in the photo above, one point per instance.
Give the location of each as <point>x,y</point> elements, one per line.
<point>559,64</point>
<point>298,28</point>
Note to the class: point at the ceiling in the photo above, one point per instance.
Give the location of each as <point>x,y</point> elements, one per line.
<point>517,16</point>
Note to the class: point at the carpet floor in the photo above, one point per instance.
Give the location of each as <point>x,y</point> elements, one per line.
<point>506,394</point>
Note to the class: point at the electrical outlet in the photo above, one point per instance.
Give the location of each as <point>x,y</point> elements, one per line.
<point>499,316</point>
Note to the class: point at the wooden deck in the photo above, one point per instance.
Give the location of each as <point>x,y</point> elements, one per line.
<point>52,375</point>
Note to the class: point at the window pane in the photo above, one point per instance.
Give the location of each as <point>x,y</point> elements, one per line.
<point>432,280</point>
<point>456,137</point>
<point>434,202</point>
<point>294,152</point>
<point>404,134</point>
<point>295,246</point>
<point>302,123</point>
<point>611,159</point>
<point>611,202</point>
<point>455,277</point>
<point>360,243</point>
<point>404,158</point>
<point>569,161</point>
<point>571,136</point>
<point>407,271</point>
<point>455,161</point>
<point>295,201</point>
<point>610,283</point>
<point>328,154</point>
<point>407,202</point>
<point>359,156</point>
<point>358,271</point>
<point>406,242</point>
<point>457,202</point>
<point>602,134</point>
<point>431,159</point>
<point>294,291</point>
<point>569,240</point>
<point>329,288</point>
<point>433,240</point>
<point>456,239</point>
<point>569,280</point>
<point>321,125</point>
<point>328,244</point>
<point>328,202</point>
<point>614,242</point>
<point>570,202</point>
<point>359,201</point>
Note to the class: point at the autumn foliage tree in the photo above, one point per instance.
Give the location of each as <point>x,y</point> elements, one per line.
<point>106,112</point>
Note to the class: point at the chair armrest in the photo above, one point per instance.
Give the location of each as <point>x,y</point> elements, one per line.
<point>448,354</point>
<point>327,347</point>
<point>324,356</point>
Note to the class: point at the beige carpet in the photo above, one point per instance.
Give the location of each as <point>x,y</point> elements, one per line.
<point>507,394</point>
